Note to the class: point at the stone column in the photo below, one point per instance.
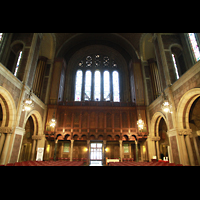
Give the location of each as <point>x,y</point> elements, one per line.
<point>55,150</point>
<point>136,150</point>
<point>120,149</point>
<point>189,147</point>
<point>61,149</point>
<point>183,146</point>
<point>104,152</point>
<point>88,152</point>
<point>2,141</point>
<point>5,149</point>
<point>71,150</point>
<point>158,149</point>
<point>33,149</point>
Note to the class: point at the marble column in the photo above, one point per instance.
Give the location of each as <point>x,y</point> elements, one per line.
<point>136,150</point>
<point>55,150</point>
<point>71,150</point>
<point>5,149</point>
<point>33,149</point>
<point>120,149</point>
<point>88,152</point>
<point>2,141</point>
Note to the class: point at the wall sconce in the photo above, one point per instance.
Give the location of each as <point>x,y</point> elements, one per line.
<point>85,149</point>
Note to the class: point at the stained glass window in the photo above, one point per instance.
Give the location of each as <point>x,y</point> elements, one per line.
<point>194,46</point>
<point>98,81</point>
<point>175,66</point>
<point>18,62</point>
<point>115,86</point>
<point>1,37</point>
<point>97,86</point>
<point>106,86</point>
<point>78,89</point>
<point>88,77</point>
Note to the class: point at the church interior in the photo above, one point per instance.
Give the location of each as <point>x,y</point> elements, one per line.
<point>100,99</point>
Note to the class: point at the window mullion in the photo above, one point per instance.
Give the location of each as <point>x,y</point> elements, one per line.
<point>83,86</point>
<point>111,86</point>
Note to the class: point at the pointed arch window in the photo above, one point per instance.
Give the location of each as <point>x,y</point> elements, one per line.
<point>194,46</point>
<point>97,85</point>
<point>175,66</point>
<point>78,89</point>
<point>88,78</point>
<point>115,86</point>
<point>18,62</point>
<point>99,75</point>
<point>106,86</point>
<point>1,37</point>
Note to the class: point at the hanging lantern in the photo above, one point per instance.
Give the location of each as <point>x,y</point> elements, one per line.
<point>140,123</point>
<point>166,106</point>
<point>28,103</point>
<point>53,121</point>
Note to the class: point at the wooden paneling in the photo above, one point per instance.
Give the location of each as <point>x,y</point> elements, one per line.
<point>98,122</point>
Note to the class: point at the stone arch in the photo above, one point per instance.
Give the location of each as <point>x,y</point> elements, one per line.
<point>37,121</point>
<point>184,106</point>
<point>155,123</point>
<point>8,106</point>
<point>147,47</point>
<point>47,47</point>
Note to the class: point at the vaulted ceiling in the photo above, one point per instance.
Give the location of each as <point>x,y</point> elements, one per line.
<point>127,42</point>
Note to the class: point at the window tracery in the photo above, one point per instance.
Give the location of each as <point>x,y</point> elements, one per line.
<point>100,79</point>
<point>194,46</point>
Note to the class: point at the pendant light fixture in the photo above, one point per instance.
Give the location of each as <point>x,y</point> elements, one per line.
<point>140,123</point>
<point>166,106</point>
<point>28,103</point>
<point>53,121</point>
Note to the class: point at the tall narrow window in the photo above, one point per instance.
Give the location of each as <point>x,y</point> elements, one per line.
<point>106,86</point>
<point>97,86</point>
<point>88,77</point>
<point>175,66</point>
<point>18,62</point>
<point>1,37</point>
<point>116,86</point>
<point>78,89</point>
<point>194,46</point>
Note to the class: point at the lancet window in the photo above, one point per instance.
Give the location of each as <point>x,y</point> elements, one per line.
<point>97,79</point>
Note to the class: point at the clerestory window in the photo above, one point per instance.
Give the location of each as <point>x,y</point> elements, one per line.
<point>97,79</point>
<point>194,46</point>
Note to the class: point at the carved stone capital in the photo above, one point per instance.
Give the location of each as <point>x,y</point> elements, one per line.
<point>36,137</point>
<point>155,138</point>
<point>8,130</point>
<point>185,131</point>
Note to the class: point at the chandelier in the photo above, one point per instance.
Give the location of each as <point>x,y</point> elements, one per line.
<point>53,121</point>
<point>28,103</point>
<point>140,123</point>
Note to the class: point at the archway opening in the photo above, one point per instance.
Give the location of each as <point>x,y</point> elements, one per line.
<point>1,115</point>
<point>164,140</point>
<point>194,124</point>
<point>27,142</point>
